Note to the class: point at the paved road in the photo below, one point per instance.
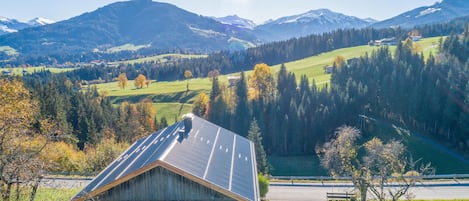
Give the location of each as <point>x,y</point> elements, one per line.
<point>317,191</point>
<point>64,182</point>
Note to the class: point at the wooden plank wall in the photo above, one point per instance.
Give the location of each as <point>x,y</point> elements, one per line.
<point>160,184</point>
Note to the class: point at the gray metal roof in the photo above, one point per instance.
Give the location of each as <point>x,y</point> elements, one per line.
<point>208,152</point>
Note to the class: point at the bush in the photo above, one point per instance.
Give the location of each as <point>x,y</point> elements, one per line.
<point>64,157</point>
<point>263,185</point>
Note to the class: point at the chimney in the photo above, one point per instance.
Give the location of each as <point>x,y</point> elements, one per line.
<point>187,118</point>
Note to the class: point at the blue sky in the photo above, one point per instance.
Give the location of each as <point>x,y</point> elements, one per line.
<point>257,10</point>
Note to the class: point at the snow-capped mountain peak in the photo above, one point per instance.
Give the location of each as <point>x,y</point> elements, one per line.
<point>370,20</point>
<point>40,21</point>
<point>311,22</point>
<point>323,16</point>
<point>237,21</point>
<point>8,25</point>
<point>4,19</point>
<point>441,11</point>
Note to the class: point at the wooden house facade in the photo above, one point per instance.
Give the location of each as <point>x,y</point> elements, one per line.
<point>190,160</point>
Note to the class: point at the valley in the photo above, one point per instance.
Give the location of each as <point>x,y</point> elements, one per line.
<point>133,92</point>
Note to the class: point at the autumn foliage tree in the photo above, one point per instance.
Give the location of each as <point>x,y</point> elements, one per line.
<point>122,81</point>
<point>260,81</point>
<point>23,138</point>
<point>339,61</point>
<point>140,81</point>
<point>103,153</point>
<point>201,105</point>
<point>187,75</point>
<point>147,114</point>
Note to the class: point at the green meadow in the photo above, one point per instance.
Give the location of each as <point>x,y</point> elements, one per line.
<point>162,58</point>
<point>171,98</point>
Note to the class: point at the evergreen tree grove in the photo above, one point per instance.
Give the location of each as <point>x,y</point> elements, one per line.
<point>254,134</point>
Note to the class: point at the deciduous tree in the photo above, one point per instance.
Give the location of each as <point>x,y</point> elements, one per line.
<point>122,81</point>
<point>140,81</point>
<point>261,82</point>
<point>187,75</point>
<point>339,61</point>
<point>201,105</point>
<point>21,142</point>
<point>381,165</point>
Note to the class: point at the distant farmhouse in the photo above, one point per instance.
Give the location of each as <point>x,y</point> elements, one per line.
<point>392,40</point>
<point>7,73</point>
<point>383,42</point>
<point>233,80</point>
<point>415,38</point>
<point>328,69</point>
<point>190,160</point>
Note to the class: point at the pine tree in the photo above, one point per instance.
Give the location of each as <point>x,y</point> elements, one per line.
<point>241,123</point>
<point>254,134</point>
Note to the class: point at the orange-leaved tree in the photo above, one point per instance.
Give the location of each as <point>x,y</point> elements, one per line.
<point>23,137</point>
<point>122,81</point>
<point>260,82</point>
<point>140,81</point>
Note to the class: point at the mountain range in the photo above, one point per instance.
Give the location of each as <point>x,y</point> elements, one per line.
<point>438,12</point>
<point>142,22</point>
<point>312,22</point>
<point>12,25</point>
<point>235,20</point>
<point>164,26</point>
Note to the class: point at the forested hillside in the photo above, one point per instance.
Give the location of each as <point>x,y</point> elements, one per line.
<point>272,53</point>
<point>429,95</point>
<point>86,116</point>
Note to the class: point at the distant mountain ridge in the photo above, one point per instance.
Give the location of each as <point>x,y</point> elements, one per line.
<point>438,12</point>
<point>165,27</point>
<point>312,22</point>
<point>237,21</point>
<point>142,22</point>
<point>8,25</point>
<point>39,21</point>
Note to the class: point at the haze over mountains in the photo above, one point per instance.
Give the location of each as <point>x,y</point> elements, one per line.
<point>164,26</point>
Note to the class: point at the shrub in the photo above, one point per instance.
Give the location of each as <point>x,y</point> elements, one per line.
<point>263,185</point>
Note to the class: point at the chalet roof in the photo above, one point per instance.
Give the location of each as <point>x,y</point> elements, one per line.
<point>210,155</point>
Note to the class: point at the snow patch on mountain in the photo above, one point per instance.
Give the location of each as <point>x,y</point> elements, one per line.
<point>321,16</point>
<point>428,11</point>
<point>5,29</point>
<point>237,21</point>
<point>206,33</point>
<point>38,21</point>
<point>4,19</point>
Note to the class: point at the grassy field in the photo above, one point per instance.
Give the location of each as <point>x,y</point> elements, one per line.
<point>161,58</point>
<point>169,96</point>
<point>51,194</point>
<point>171,111</point>
<point>296,166</point>
<point>19,71</point>
<point>8,50</point>
<point>423,149</point>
